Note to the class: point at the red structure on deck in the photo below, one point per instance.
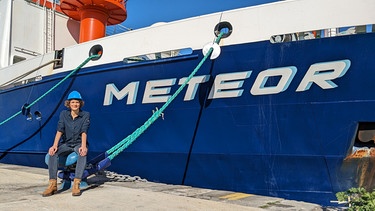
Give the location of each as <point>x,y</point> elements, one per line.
<point>94,15</point>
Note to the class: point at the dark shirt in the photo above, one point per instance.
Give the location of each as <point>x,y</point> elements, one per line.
<point>72,129</point>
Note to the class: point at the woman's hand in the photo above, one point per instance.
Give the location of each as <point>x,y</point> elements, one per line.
<point>82,151</point>
<point>52,150</point>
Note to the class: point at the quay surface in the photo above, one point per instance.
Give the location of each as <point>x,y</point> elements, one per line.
<point>21,188</point>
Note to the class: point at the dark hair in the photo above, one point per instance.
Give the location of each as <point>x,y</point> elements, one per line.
<point>81,103</point>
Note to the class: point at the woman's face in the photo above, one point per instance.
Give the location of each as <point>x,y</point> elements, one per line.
<point>74,105</point>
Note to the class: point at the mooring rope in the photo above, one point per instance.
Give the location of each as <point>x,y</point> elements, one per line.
<point>122,145</point>
<point>51,89</point>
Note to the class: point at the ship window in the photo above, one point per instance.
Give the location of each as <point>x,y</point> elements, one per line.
<point>158,55</point>
<point>18,59</point>
<point>322,33</point>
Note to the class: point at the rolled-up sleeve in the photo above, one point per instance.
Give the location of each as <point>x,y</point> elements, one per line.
<point>61,123</point>
<point>86,122</point>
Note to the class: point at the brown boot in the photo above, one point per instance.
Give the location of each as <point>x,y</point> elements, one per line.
<point>52,188</point>
<point>75,190</point>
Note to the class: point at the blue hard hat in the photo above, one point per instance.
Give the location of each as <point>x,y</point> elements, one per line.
<point>74,95</point>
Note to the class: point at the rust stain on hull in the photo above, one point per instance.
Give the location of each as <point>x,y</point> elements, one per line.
<point>362,165</point>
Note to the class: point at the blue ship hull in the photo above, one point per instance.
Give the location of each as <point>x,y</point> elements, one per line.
<point>290,144</point>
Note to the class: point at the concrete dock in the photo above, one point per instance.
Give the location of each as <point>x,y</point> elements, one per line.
<point>21,188</point>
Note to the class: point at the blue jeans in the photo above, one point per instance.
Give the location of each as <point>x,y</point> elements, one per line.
<point>65,150</point>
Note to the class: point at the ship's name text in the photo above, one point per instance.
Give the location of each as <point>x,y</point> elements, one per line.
<point>228,85</point>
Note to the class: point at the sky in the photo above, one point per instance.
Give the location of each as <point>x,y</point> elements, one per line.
<point>142,13</point>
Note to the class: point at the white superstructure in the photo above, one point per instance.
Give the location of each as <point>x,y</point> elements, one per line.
<point>29,30</point>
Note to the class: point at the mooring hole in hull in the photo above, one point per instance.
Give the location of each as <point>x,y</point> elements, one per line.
<point>364,144</point>
<point>358,168</point>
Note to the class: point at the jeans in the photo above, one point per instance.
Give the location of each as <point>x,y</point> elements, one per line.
<point>65,150</point>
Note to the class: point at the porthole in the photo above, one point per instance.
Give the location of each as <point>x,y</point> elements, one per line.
<point>223,27</point>
<point>96,50</point>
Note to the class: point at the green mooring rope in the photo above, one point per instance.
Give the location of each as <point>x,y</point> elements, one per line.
<point>54,87</point>
<point>122,145</point>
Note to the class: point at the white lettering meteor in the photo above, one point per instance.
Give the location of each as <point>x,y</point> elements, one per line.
<point>225,85</point>
<point>193,85</point>
<point>229,85</point>
<point>156,91</point>
<point>130,90</point>
<point>323,73</point>
<point>286,73</point>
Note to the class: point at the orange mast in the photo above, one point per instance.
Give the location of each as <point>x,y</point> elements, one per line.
<point>94,15</point>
